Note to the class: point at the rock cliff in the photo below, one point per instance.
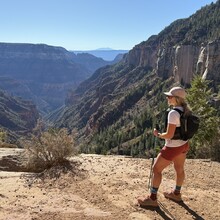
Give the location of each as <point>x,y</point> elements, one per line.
<point>186,47</point>
<point>180,61</point>
<point>17,117</point>
<point>48,72</point>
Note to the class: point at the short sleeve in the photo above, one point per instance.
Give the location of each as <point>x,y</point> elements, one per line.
<point>174,118</point>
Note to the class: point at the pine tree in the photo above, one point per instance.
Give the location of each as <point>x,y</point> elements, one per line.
<point>198,97</point>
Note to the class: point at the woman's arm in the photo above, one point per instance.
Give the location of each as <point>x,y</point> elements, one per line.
<point>169,132</point>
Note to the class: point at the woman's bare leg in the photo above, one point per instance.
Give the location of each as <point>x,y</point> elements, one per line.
<point>179,162</point>
<point>180,176</point>
<point>159,165</point>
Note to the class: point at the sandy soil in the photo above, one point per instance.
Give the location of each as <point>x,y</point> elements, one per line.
<point>105,187</point>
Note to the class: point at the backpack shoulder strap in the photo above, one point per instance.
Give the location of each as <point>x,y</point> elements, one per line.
<point>179,111</point>
<point>180,130</point>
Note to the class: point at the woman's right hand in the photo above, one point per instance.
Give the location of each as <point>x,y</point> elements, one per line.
<point>155,132</point>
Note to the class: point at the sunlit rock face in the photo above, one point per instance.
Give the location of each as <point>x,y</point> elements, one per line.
<point>180,61</point>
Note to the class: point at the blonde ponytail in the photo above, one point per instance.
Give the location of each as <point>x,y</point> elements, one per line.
<point>181,102</point>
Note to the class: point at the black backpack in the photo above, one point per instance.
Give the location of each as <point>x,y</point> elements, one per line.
<point>189,125</point>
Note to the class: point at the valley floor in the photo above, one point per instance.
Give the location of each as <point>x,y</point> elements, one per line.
<point>106,187</point>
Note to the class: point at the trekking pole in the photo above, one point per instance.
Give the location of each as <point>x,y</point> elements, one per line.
<point>152,162</point>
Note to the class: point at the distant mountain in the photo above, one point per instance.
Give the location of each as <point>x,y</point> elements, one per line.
<point>92,63</point>
<point>104,53</point>
<point>47,71</point>
<point>44,74</point>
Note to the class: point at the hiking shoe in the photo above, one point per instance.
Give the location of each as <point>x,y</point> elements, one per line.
<point>172,196</point>
<point>147,202</point>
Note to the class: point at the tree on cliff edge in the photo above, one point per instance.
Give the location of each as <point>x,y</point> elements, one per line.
<point>204,142</point>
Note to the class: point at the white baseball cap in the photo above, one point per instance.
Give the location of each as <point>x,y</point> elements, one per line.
<point>176,91</point>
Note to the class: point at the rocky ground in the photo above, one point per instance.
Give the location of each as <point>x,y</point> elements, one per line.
<point>104,187</point>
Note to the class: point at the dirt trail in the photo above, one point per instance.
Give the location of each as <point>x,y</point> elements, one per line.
<point>106,187</point>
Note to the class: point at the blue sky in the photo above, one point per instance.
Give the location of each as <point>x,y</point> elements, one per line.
<point>90,24</point>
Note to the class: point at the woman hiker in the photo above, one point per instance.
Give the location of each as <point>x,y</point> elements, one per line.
<point>175,151</point>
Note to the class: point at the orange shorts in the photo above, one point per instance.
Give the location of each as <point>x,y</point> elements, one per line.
<point>169,153</point>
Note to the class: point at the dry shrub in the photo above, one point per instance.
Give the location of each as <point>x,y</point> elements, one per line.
<point>49,149</point>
